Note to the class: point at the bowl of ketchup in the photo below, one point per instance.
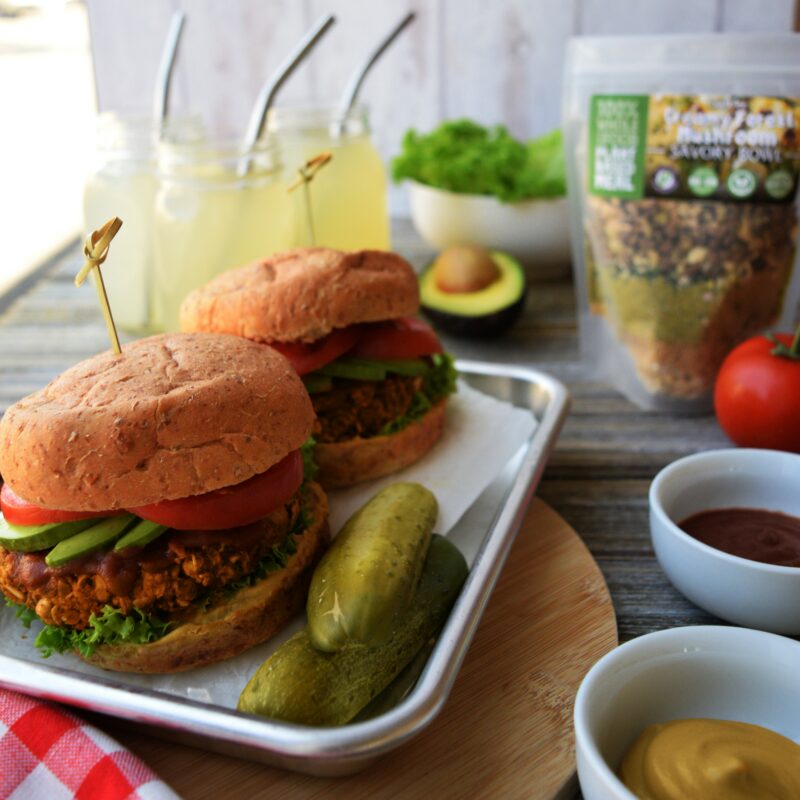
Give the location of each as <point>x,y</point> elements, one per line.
<point>725,526</point>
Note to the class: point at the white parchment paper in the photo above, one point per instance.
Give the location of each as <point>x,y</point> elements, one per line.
<point>475,459</point>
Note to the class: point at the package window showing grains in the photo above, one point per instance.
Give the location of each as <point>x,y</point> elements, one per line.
<point>683,172</point>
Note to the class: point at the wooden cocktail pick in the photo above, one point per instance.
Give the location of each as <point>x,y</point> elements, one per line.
<point>96,249</point>
<point>307,173</point>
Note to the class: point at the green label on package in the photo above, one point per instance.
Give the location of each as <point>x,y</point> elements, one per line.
<point>617,142</point>
<point>718,147</point>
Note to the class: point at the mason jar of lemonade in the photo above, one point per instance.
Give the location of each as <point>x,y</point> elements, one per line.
<point>349,194</point>
<point>122,183</point>
<point>217,206</point>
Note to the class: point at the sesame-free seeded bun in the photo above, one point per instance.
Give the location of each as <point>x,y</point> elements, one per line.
<point>302,295</point>
<point>357,460</point>
<point>172,416</point>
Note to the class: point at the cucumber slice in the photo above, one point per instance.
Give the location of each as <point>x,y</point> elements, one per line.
<point>30,538</point>
<point>316,383</point>
<point>355,369</point>
<point>141,534</point>
<point>98,536</point>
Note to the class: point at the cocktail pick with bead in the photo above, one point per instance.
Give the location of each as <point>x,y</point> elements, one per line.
<point>96,249</point>
<point>306,175</point>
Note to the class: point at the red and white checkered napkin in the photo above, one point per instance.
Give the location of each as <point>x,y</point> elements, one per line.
<point>49,754</point>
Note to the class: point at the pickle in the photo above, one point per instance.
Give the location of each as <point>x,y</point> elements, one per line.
<point>300,684</point>
<point>370,573</point>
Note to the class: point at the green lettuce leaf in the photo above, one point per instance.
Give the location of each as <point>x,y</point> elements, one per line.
<point>111,626</point>
<point>438,383</point>
<point>462,156</point>
<point>277,557</point>
<point>310,467</point>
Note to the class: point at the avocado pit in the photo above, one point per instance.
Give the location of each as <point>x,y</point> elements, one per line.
<point>468,291</point>
<point>464,268</point>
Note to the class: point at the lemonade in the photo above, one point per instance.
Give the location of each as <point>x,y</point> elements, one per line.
<point>214,210</point>
<point>123,184</point>
<point>348,195</point>
<point>128,195</point>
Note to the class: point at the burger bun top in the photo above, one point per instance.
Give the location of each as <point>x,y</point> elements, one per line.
<point>303,294</point>
<point>172,416</point>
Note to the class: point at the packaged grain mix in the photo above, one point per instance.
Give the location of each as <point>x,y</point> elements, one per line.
<point>683,162</point>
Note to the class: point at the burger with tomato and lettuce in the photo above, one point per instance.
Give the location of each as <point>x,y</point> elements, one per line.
<point>158,511</point>
<point>378,377</point>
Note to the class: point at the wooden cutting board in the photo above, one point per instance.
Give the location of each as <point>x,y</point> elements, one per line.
<point>506,730</point>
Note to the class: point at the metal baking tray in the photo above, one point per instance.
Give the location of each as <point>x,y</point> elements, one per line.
<point>492,524</point>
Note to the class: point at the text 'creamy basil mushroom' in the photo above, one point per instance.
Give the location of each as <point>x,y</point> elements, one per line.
<point>378,378</point>
<point>157,511</point>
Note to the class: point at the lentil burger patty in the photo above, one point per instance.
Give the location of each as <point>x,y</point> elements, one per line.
<point>165,577</point>
<point>361,408</point>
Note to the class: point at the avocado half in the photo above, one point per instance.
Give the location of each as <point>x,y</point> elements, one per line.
<point>486,312</point>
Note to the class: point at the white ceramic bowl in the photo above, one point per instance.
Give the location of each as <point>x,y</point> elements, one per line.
<point>736,589</point>
<point>536,232</point>
<point>701,671</point>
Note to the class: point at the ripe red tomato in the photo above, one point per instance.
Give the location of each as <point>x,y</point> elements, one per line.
<point>231,506</point>
<point>17,511</point>
<point>306,358</point>
<point>404,337</point>
<point>757,394</point>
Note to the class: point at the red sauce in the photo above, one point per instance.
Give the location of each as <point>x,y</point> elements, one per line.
<point>766,536</point>
<point>120,569</point>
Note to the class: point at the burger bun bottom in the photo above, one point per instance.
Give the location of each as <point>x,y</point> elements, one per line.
<point>357,460</point>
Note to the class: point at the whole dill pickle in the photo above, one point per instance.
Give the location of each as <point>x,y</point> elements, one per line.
<point>301,684</point>
<point>371,571</point>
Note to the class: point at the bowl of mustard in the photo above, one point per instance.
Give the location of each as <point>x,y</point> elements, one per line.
<point>693,713</point>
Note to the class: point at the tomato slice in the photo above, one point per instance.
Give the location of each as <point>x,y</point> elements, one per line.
<point>230,506</point>
<point>17,511</point>
<point>404,337</point>
<point>306,358</point>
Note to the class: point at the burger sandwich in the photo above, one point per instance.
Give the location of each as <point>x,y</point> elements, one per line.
<point>378,378</point>
<point>157,512</point>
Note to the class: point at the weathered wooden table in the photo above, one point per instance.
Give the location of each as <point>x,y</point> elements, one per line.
<point>597,479</point>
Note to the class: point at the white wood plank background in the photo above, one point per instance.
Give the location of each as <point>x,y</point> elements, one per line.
<point>493,62</point>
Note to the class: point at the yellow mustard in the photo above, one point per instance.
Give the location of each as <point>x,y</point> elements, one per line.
<point>710,759</point>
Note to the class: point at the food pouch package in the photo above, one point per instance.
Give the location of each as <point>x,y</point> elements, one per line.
<point>682,175</point>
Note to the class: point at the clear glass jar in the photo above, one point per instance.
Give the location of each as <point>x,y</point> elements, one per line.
<point>216,207</point>
<point>122,184</point>
<point>348,195</point>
